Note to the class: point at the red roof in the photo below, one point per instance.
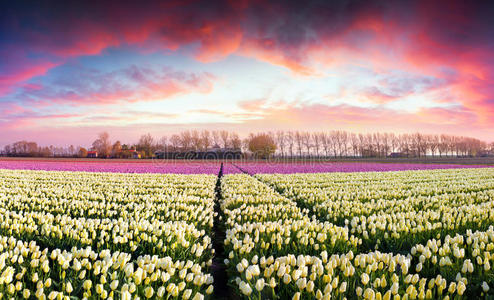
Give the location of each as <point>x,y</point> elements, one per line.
<point>92,152</point>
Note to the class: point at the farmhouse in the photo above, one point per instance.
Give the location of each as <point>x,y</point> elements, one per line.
<point>134,153</point>
<point>92,154</point>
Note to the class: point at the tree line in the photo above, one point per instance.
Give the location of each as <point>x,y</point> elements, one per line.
<point>347,144</point>
<point>285,144</point>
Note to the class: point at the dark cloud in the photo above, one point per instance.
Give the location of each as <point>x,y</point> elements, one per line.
<point>78,27</point>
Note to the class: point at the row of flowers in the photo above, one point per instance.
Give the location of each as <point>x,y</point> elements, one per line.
<point>470,255</point>
<point>433,243</point>
<point>198,211</point>
<point>248,200</point>
<point>175,166</point>
<point>107,186</point>
<point>179,239</point>
<point>27,271</point>
<point>338,211</point>
<point>319,188</point>
<point>105,235</point>
<point>327,166</point>
<point>437,203</point>
<point>373,275</point>
<point>400,231</point>
<point>105,195</point>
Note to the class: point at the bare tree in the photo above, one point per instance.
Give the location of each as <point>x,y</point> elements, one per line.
<point>333,138</point>
<point>176,141</point>
<point>386,144</point>
<point>395,142</point>
<point>206,139</point>
<point>280,141</point>
<point>326,143</point>
<point>196,140</point>
<point>355,144</point>
<point>216,138</point>
<point>404,144</point>
<point>146,144</point>
<point>116,149</point>
<point>342,142</point>
<point>420,144</point>
<point>376,140</point>
<point>235,141</point>
<point>361,139</point>
<point>299,142</point>
<point>307,141</point>
<point>186,140</point>
<point>163,143</point>
<point>443,145</point>
<point>316,137</point>
<point>102,144</point>
<point>290,140</point>
<point>224,137</point>
<point>433,143</point>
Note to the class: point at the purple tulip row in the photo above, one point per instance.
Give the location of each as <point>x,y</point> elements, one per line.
<point>326,167</point>
<point>117,167</point>
<point>201,167</point>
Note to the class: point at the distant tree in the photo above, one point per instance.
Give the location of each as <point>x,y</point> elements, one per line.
<point>216,138</point>
<point>326,143</point>
<point>22,148</point>
<point>236,141</point>
<point>205,139</point>
<point>185,140</point>
<point>175,142</point>
<point>395,142</point>
<point>316,137</point>
<point>45,152</point>
<point>290,140</point>
<point>196,140</point>
<point>116,149</point>
<point>281,142</point>
<point>146,145</point>
<point>354,144</point>
<point>307,142</point>
<point>82,152</point>
<point>71,150</point>
<point>163,143</point>
<point>333,142</point>
<point>262,145</point>
<point>224,137</point>
<point>299,142</point>
<point>433,143</point>
<point>103,144</point>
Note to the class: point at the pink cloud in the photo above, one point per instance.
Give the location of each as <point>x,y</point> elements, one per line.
<point>324,117</point>
<point>24,70</point>
<point>252,105</point>
<point>133,84</point>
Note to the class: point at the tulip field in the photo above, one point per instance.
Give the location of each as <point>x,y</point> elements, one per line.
<point>407,234</point>
<point>103,235</point>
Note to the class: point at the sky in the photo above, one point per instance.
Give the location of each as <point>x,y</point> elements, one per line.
<point>71,69</point>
